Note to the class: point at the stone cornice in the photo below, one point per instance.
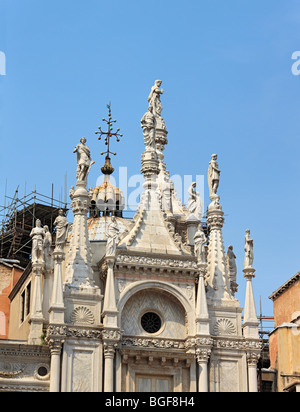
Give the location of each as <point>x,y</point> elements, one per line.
<point>23,350</point>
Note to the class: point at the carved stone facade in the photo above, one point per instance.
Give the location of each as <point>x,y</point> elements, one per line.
<point>146,313</point>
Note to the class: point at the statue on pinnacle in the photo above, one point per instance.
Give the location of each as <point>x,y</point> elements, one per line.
<point>213,178</point>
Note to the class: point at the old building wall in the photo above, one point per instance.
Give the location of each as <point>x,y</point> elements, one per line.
<point>9,275</point>
<point>287,304</point>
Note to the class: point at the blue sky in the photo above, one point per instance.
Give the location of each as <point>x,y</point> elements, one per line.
<point>229,89</point>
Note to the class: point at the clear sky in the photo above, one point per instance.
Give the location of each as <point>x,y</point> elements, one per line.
<point>229,89</point>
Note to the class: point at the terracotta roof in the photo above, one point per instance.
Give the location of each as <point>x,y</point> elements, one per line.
<point>285,286</point>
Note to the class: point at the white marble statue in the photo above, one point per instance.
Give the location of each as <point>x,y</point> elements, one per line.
<point>62,226</point>
<point>84,161</point>
<point>37,234</point>
<point>248,262</point>
<point>213,177</point>
<point>195,204</point>
<point>47,248</point>
<point>154,98</point>
<point>199,245</point>
<point>231,263</point>
<point>113,237</point>
<point>148,123</point>
<point>232,269</point>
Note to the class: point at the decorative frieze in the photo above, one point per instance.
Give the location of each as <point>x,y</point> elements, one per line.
<point>153,343</point>
<point>72,332</point>
<point>160,263</point>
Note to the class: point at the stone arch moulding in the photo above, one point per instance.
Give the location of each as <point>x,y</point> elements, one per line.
<point>158,286</point>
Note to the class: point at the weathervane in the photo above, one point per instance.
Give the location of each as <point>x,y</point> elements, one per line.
<point>107,168</point>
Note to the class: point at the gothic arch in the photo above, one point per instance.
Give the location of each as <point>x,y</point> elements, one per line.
<point>158,286</point>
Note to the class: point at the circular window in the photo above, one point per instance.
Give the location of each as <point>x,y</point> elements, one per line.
<point>42,371</point>
<point>151,322</point>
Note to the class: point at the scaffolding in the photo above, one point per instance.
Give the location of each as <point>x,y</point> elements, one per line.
<point>18,219</point>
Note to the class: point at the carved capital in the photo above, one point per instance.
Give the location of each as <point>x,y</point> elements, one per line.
<point>58,256</point>
<point>253,358</point>
<point>80,206</point>
<point>55,338</point>
<point>215,220</point>
<point>109,350</point>
<point>203,355</point>
<point>55,345</point>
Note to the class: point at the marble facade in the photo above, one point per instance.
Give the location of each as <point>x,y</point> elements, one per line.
<point>136,309</point>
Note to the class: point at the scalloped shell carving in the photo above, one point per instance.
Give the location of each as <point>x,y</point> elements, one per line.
<point>82,315</point>
<point>224,327</point>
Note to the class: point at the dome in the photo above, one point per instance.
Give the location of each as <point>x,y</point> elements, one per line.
<point>108,199</point>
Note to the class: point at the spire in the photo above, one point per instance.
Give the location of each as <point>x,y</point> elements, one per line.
<point>155,134</point>
<point>79,268</point>
<point>202,316</point>
<point>217,274</point>
<point>250,325</point>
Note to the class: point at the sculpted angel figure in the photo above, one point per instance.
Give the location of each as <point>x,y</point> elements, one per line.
<point>113,237</point>
<point>62,226</point>
<point>84,161</point>
<point>195,204</point>
<point>248,262</point>
<point>37,234</point>
<point>154,98</point>
<point>199,245</point>
<point>213,177</point>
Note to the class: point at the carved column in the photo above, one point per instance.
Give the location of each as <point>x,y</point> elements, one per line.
<point>36,319</point>
<point>55,339</point>
<point>109,354</point>
<point>252,359</point>
<point>202,359</point>
<point>111,338</point>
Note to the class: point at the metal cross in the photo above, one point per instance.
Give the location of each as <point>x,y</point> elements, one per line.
<point>109,132</point>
